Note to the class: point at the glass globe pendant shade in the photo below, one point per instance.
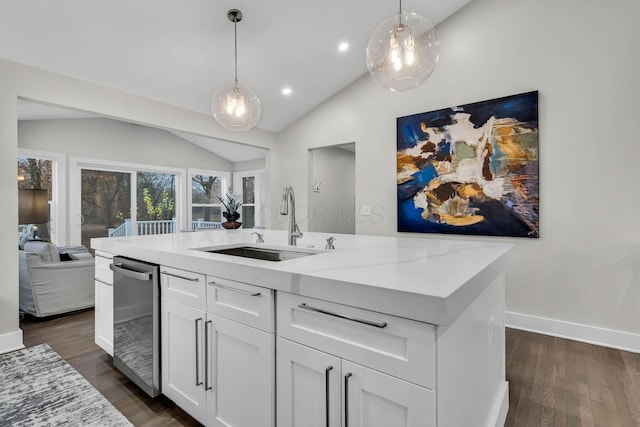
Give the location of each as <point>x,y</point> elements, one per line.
<point>236,107</point>
<point>402,52</point>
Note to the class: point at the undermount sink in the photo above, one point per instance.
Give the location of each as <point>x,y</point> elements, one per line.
<point>263,253</point>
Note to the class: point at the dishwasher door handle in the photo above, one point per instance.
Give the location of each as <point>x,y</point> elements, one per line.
<point>138,275</point>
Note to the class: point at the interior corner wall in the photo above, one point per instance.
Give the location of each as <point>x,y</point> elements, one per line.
<point>582,58</point>
<point>9,215</point>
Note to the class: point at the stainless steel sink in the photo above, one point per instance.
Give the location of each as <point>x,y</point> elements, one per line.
<point>263,253</point>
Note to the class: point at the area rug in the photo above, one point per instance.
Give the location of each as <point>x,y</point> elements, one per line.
<point>38,388</point>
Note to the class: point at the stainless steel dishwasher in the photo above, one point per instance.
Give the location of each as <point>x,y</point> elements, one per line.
<point>136,322</point>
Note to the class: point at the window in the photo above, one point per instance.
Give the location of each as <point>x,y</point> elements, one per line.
<point>247,185</point>
<point>206,187</point>
<point>39,169</point>
<point>114,199</point>
<point>156,203</point>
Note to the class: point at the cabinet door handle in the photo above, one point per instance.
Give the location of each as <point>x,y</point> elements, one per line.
<point>207,386</point>
<point>191,279</point>
<point>104,257</point>
<point>346,399</point>
<point>198,382</point>
<point>326,393</point>
<point>240,291</point>
<point>381,325</point>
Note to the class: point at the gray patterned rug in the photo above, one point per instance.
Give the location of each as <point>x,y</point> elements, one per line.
<point>38,388</point>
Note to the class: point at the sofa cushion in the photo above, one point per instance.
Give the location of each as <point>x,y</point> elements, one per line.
<point>48,251</point>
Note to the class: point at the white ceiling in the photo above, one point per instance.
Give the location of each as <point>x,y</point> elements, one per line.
<point>181,52</point>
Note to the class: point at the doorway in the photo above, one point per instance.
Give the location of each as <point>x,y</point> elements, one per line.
<point>332,196</point>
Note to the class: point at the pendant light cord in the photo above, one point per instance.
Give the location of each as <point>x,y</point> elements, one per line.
<point>235,40</point>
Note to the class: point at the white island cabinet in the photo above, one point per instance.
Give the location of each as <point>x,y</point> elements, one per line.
<point>104,301</point>
<point>385,366</point>
<point>218,369</point>
<point>381,331</point>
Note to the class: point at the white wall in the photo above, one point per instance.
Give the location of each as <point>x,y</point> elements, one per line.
<point>332,209</point>
<point>30,83</point>
<point>583,58</point>
<point>108,139</point>
<point>248,165</point>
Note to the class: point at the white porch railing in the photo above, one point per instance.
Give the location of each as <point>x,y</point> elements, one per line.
<point>161,226</point>
<point>209,225</point>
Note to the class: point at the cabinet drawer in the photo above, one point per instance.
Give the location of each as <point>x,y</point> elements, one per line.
<point>400,347</point>
<point>244,303</point>
<point>184,286</point>
<point>102,262</point>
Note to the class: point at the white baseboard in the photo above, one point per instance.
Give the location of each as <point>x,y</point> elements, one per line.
<point>11,341</point>
<point>590,334</point>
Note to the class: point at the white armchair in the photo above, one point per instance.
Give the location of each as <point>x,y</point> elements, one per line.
<point>49,286</point>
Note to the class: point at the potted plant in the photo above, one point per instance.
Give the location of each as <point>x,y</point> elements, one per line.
<point>231,204</point>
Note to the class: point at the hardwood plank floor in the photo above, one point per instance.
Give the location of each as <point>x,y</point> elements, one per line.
<point>558,382</point>
<point>552,381</point>
<point>72,337</point>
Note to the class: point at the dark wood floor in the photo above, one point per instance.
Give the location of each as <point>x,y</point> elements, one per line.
<point>558,382</point>
<point>72,337</point>
<point>552,381</point>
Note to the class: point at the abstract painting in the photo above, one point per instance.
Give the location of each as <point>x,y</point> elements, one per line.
<point>470,169</point>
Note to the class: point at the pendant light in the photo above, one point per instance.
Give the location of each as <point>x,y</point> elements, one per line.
<point>403,51</point>
<point>235,106</point>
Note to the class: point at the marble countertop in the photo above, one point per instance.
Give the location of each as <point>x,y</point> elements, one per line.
<point>426,279</point>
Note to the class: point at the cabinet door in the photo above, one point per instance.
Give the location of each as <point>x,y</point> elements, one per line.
<point>374,399</point>
<point>104,315</point>
<point>183,357</point>
<point>308,387</point>
<point>240,374</point>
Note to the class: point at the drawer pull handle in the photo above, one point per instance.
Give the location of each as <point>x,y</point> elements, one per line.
<point>191,279</point>
<point>207,386</point>
<point>326,395</point>
<point>343,316</point>
<point>102,281</point>
<point>346,399</point>
<point>198,382</point>
<point>240,291</point>
<point>104,257</point>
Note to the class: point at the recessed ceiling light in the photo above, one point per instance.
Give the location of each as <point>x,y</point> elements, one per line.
<point>286,91</point>
<point>343,47</point>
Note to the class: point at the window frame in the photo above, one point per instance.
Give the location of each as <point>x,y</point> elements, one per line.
<point>224,188</point>
<point>258,176</point>
<point>75,190</point>
<point>57,205</point>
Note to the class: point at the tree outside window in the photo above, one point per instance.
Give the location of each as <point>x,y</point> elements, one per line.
<point>36,173</point>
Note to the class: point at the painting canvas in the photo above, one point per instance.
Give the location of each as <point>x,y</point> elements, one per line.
<point>470,169</point>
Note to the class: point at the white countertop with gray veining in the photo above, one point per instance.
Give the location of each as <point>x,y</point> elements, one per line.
<point>427,279</point>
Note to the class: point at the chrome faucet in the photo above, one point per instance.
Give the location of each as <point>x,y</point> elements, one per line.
<point>289,199</point>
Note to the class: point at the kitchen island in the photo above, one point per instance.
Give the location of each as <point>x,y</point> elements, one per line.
<point>380,331</point>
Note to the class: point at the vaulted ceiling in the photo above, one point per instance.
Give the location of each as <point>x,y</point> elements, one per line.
<point>181,52</point>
